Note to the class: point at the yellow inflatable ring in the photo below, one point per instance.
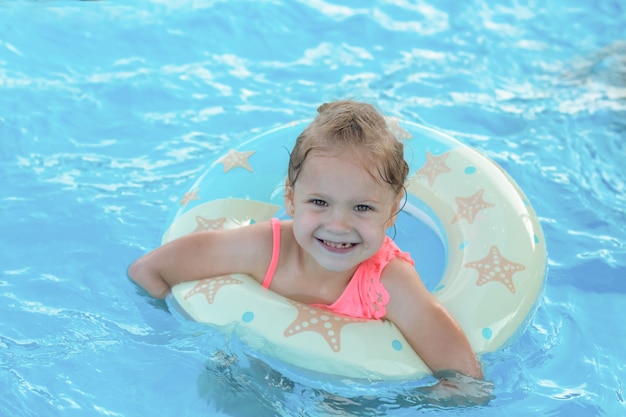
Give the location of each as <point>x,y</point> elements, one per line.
<point>494,269</point>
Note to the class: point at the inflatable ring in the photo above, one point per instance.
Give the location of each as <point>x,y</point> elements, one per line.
<point>495,256</point>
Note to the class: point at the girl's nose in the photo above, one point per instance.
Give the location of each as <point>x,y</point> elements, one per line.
<point>339,221</point>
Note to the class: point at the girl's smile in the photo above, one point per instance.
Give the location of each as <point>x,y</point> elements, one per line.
<point>334,246</point>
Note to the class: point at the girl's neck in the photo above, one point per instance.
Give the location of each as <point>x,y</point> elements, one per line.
<point>322,285</point>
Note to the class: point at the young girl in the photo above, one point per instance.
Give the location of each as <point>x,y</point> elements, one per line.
<point>344,188</point>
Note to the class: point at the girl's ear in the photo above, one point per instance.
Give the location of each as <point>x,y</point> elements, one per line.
<point>395,210</point>
<point>289,205</point>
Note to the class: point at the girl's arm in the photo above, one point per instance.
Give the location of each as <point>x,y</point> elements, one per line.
<point>204,255</point>
<point>432,332</point>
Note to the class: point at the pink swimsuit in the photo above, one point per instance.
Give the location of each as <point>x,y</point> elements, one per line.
<point>365,296</point>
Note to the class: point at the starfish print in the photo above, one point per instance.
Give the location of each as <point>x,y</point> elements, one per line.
<point>204,224</point>
<point>468,207</point>
<point>434,166</point>
<point>312,319</point>
<point>235,159</point>
<point>191,195</point>
<point>495,267</point>
<point>393,124</point>
<point>210,286</point>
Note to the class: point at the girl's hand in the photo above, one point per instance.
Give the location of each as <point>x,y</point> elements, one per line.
<point>149,280</point>
<point>452,390</point>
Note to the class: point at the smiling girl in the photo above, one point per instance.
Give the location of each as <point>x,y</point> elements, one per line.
<point>344,189</point>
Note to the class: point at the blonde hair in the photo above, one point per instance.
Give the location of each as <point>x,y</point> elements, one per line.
<point>360,128</point>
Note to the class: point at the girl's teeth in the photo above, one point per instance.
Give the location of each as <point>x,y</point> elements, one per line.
<point>338,245</point>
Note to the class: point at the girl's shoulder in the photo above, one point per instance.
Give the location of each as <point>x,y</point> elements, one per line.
<point>401,279</point>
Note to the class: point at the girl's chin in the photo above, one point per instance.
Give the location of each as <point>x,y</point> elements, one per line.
<point>335,260</point>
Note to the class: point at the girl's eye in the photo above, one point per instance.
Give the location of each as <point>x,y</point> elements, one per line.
<point>363,207</point>
<point>318,202</point>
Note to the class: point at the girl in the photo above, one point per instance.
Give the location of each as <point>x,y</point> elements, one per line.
<point>344,188</point>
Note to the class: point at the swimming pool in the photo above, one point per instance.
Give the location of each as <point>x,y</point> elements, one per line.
<point>108,111</point>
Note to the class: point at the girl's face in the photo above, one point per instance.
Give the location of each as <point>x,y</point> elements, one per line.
<point>340,212</point>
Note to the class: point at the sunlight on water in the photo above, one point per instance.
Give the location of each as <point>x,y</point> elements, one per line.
<point>109,111</point>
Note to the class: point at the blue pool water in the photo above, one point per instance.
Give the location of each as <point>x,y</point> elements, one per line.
<point>109,110</point>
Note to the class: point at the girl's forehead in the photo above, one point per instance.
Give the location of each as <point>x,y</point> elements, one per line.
<point>335,161</point>
<point>346,155</point>
<point>343,167</point>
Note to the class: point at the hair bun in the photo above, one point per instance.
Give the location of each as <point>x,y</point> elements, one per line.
<point>323,108</point>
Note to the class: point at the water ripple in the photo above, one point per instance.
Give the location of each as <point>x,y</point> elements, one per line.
<point>108,111</point>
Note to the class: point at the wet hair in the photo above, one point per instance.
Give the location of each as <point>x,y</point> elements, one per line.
<point>359,128</point>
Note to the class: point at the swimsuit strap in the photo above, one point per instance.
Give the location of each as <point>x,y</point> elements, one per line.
<point>269,275</point>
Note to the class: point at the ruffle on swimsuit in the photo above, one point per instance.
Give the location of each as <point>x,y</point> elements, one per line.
<point>365,296</point>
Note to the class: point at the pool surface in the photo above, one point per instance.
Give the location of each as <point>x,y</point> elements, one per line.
<point>109,110</point>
